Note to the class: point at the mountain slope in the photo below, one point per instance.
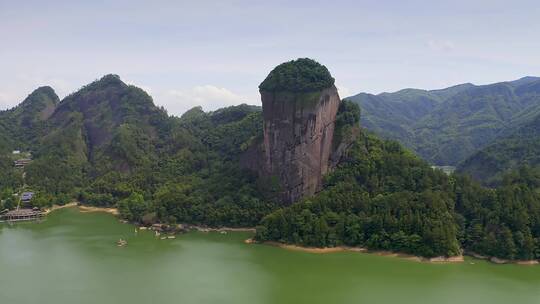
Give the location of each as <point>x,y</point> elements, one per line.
<point>446,126</point>
<point>105,126</point>
<point>520,148</point>
<point>21,125</point>
<point>108,145</point>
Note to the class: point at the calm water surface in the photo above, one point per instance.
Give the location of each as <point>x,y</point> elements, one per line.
<point>72,258</point>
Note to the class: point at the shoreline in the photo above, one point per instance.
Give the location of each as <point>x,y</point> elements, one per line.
<point>317,250</point>
<point>58,207</point>
<point>409,257</point>
<point>89,209</point>
<point>433,260</point>
<point>220,229</point>
<point>496,260</point>
<point>81,208</point>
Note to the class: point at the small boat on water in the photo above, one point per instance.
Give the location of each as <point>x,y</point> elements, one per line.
<point>171,237</point>
<point>121,243</point>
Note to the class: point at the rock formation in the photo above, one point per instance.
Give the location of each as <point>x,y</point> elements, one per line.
<point>300,103</point>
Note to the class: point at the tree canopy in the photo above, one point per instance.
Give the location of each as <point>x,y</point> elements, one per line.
<point>301,75</point>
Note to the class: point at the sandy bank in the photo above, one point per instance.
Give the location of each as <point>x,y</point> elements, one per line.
<point>454,259</point>
<point>57,207</point>
<point>82,208</point>
<point>112,211</point>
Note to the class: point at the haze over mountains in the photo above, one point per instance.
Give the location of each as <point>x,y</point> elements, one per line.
<point>447,126</point>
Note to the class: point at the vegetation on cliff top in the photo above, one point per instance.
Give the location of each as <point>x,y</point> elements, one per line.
<point>301,75</point>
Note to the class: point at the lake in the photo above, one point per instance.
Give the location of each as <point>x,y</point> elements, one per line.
<point>72,257</point>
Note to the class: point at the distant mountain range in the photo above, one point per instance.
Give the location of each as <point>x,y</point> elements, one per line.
<point>447,126</point>
<point>521,147</point>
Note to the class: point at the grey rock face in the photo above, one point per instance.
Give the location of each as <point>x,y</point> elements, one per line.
<point>298,134</point>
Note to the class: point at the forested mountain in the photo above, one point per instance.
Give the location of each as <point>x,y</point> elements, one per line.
<point>23,124</point>
<point>109,145</point>
<point>384,198</point>
<point>521,147</point>
<point>446,126</point>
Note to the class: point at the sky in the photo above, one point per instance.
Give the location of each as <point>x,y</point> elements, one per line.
<point>216,53</point>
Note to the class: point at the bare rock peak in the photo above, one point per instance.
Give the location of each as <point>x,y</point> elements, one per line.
<point>300,103</point>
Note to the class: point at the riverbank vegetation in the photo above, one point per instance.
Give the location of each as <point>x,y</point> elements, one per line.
<point>124,152</point>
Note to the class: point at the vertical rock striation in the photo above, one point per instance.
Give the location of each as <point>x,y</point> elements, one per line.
<point>300,103</point>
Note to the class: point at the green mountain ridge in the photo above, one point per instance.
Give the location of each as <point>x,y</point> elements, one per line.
<point>109,145</point>
<point>21,125</point>
<point>446,126</point>
<point>505,154</point>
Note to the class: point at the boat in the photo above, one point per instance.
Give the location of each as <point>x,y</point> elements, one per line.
<point>121,243</point>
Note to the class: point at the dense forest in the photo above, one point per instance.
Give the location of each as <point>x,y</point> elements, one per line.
<point>381,197</point>
<point>447,126</point>
<point>384,198</point>
<point>109,145</point>
<point>506,154</point>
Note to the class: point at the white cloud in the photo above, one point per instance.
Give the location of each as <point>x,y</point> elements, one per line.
<point>61,86</point>
<point>441,45</point>
<point>343,91</point>
<point>208,96</point>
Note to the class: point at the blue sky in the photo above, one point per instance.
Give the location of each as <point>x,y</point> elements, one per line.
<point>215,53</point>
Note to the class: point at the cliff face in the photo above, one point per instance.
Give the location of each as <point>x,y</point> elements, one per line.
<point>300,104</point>
<point>298,134</point>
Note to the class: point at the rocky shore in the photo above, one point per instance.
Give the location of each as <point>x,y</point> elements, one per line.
<point>497,260</point>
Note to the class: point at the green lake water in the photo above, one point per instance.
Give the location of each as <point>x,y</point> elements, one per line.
<point>71,257</point>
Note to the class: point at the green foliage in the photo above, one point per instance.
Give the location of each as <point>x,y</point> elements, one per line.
<point>380,198</point>
<point>301,75</point>
<point>504,222</point>
<point>10,178</point>
<point>506,154</point>
<point>108,145</point>
<point>134,207</point>
<point>446,126</point>
<point>22,126</point>
<point>347,119</point>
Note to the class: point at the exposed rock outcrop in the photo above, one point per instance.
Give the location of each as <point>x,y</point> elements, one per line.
<point>300,103</point>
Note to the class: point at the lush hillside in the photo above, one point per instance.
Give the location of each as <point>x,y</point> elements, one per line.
<point>23,124</point>
<point>109,145</point>
<point>384,198</point>
<point>508,153</point>
<point>106,126</point>
<point>446,126</point>
<point>502,222</point>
